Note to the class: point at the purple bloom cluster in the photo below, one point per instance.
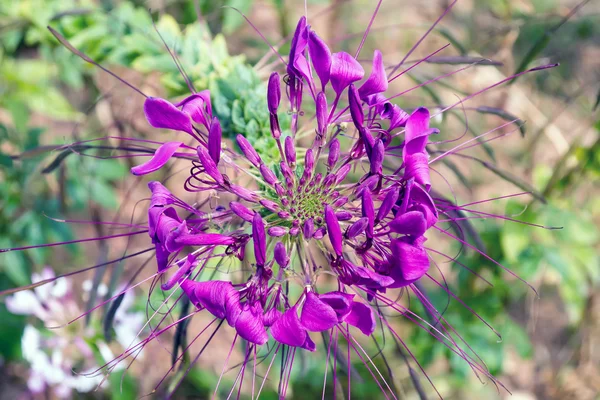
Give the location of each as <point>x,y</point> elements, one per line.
<point>337,215</point>
<point>375,223</point>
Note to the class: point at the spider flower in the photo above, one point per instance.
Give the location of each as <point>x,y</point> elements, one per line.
<point>324,237</point>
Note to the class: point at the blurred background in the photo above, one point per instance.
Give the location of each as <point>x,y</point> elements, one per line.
<point>49,97</point>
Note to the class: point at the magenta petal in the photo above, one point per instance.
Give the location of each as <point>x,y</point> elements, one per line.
<point>290,150</point>
<point>160,158</point>
<point>241,211</point>
<point>420,196</point>
<point>357,228</point>
<point>368,211</point>
<point>243,193</point>
<point>280,255</point>
<point>388,202</point>
<point>334,153</point>
<point>410,223</point>
<point>309,344</point>
<point>356,110</point>
<point>409,263</point>
<point>271,316</point>
<point>277,231</point>
<point>204,239</point>
<point>395,115</point>
<point>259,239</point>
<point>362,317</point>
<point>267,174</point>
<point>344,71</point>
<point>340,302</point>
<point>322,115</point>
<point>298,44</point>
<point>160,195</point>
<point>273,93</point>
<point>377,157</point>
<point>249,325</point>
<point>333,228</point>
<point>377,81</point>
<point>316,315</point>
<point>248,151</point>
<point>372,279</point>
<point>198,107</point>
<point>288,330</point>
<point>320,57</point>
<point>417,132</point>
<point>212,295</point>
<point>210,168</point>
<point>162,114</point>
<point>214,140</point>
<point>417,166</point>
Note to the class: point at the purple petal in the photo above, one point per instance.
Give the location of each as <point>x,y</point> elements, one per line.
<point>417,167</point>
<point>273,93</point>
<point>280,255</point>
<point>198,107</point>
<point>181,271</point>
<point>259,239</point>
<point>288,330</point>
<point>277,231</point>
<point>271,316</point>
<point>408,263</point>
<point>270,205</point>
<point>309,344</point>
<point>368,211</point>
<point>410,223</point>
<point>357,228</point>
<point>322,114</point>
<point>248,151</point>
<point>160,158</point>
<point>342,173</point>
<point>160,195</point>
<point>344,71</point>
<point>388,202</point>
<point>214,140</point>
<point>417,132</point>
<point>377,157</point>
<point>316,315</point>
<point>343,215</point>
<point>249,325</point>
<point>340,302</point>
<point>320,233</point>
<point>241,211</point>
<point>356,111</point>
<point>162,257</point>
<point>372,279</point>
<point>309,162</point>
<point>333,228</point>
<point>420,196</point>
<point>362,317</point>
<point>395,115</point>
<point>243,193</point>
<point>210,168</point>
<point>320,57</point>
<point>297,47</point>
<point>204,239</point>
<point>377,81</point>
<point>290,150</point>
<point>215,296</point>
<point>308,228</point>
<point>334,153</point>
<point>162,114</point>
<point>269,176</point>
<point>340,202</point>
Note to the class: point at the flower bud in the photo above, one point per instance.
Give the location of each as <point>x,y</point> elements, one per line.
<point>273,93</point>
